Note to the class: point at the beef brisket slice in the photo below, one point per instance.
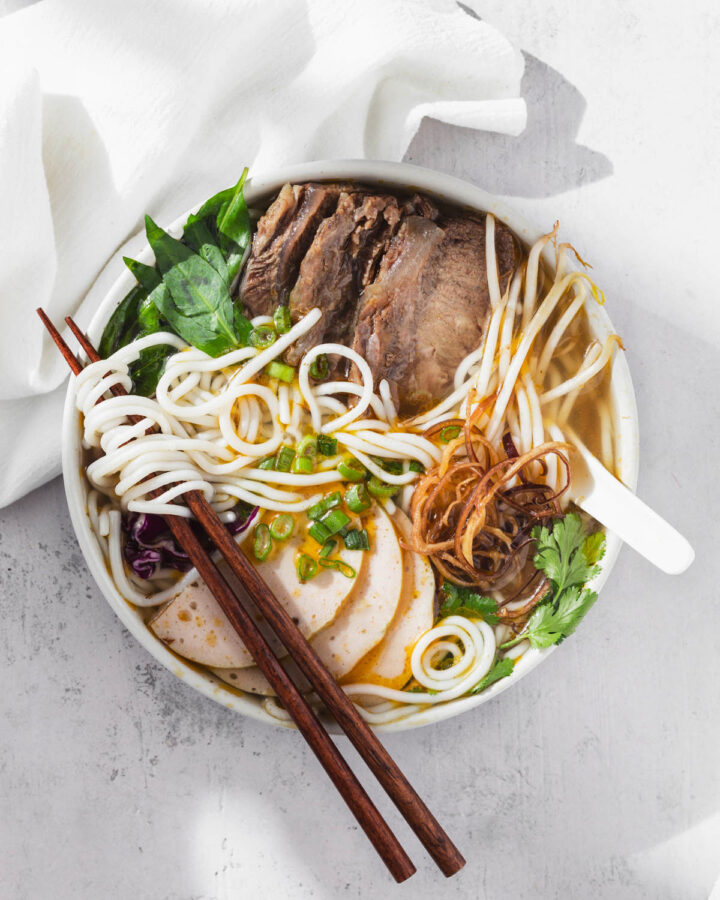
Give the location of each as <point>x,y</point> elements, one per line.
<point>338,264</point>
<point>429,305</point>
<point>282,238</point>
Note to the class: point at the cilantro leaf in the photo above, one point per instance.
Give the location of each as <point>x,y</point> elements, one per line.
<point>501,669</point>
<point>569,559</point>
<point>561,553</point>
<point>461,601</point>
<point>551,623</point>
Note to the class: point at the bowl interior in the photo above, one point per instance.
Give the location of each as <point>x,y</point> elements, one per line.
<point>257,189</point>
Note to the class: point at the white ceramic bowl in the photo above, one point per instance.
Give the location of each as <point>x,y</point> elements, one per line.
<point>257,190</point>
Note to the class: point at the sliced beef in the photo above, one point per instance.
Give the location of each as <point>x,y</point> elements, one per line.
<point>429,305</point>
<point>280,242</point>
<point>340,261</point>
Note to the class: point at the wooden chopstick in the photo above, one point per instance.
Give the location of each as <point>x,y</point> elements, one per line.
<point>429,831</point>
<point>342,776</point>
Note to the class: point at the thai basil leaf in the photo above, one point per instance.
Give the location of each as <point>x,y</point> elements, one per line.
<point>199,236</point>
<point>147,276</point>
<point>213,207</point>
<point>233,225</point>
<point>120,328</point>
<point>193,297</point>
<point>147,369</point>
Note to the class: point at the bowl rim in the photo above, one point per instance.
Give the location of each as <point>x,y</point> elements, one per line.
<point>403,175</point>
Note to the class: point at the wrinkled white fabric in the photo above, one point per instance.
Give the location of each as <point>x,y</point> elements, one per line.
<point>112,108</point>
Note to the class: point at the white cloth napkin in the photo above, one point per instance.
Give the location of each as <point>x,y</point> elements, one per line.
<point>112,108</point>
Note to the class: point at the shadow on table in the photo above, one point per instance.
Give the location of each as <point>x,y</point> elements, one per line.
<point>542,161</point>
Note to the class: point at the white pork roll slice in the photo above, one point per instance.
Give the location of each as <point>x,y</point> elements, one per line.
<point>389,662</point>
<point>193,625</point>
<point>362,622</point>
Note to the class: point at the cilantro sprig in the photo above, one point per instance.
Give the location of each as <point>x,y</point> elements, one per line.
<point>501,669</point>
<point>569,558</point>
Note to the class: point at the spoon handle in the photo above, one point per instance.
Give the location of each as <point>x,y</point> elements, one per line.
<point>616,507</point>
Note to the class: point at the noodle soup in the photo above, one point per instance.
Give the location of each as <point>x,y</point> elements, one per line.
<point>430,588</point>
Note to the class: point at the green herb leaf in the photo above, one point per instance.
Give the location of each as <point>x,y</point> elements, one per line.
<point>147,369</point>
<point>147,276</point>
<point>120,328</point>
<point>193,297</point>
<point>461,601</point>
<point>551,623</point>
<point>200,238</point>
<point>501,669</point>
<point>559,553</point>
<point>233,225</point>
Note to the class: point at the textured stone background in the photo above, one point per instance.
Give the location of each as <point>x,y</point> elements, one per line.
<point>597,776</point>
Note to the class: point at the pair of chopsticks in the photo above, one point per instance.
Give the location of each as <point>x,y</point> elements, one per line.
<point>418,816</point>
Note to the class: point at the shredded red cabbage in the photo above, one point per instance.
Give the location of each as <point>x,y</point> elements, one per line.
<point>149,545</point>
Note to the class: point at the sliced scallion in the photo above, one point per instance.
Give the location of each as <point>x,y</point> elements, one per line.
<point>334,521</point>
<point>318,532</point>
<point>351,470</point>
<point>322,506</point>
<point>308,446</point>
<point>284,459</point>
<point>393,466</point>
<point>357,539</point>
<point>282,526</point>
<point>326,445</point>
<point>263,336</point>
<point>306,567</point>
<point>320,367</point>
<point>281,371</point>
<point>327,548</point>
<point>302,465</point>
<point>357,498</point>
<point>267,463</point>
<point>380,489</point>
<point>449,433</point>
<point>339,565</point>
<point>281,318</point>
<point>262,544</point>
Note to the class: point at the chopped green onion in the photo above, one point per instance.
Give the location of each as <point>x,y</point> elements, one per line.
<point>308,446</point>
<point>302,465</point>
<point>281,318</point>
<point>327,446</point>
<point>319,532</point>
<point>393,466</point>
<point>416,466</point>
<point>284,459</point>
<point>357,539</point>
<point>334,521</point>
<point>351,470</point>
<point>327,548</point>
<point>263,336</point>
<point>280,371</point>
<point>306,567</point>
<point>282,526</point>
<point>380,489</point>
<point>263,541</point>
<point>320,367</point>
<point>339,565</point>
<point>267,463</point>
<point>322,506</point>
<point>357,498</point>
<point>449,433</point>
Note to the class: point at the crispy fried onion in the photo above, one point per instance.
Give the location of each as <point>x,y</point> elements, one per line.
<point>473,514</point>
